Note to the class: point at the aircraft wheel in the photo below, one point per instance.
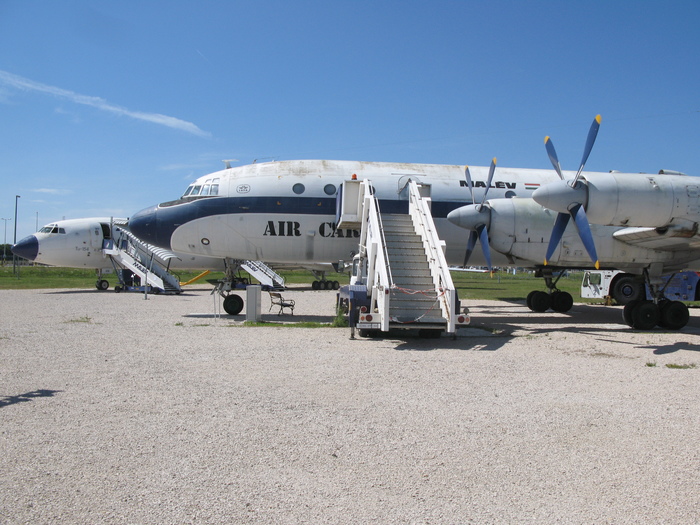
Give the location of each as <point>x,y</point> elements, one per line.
<point>102,284</point>
<point>233,304</point>
<point>627,289</point>
<point>627,312</point>
<point>529,299</point>
<point>314,285</point>
<point>645,315</point>
<point>336,285</point>
<point>562,302</point>
<point>540,301</point>
<point>674,315</point>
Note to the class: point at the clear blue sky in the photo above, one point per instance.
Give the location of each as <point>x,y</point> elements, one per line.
<point>109,107</point>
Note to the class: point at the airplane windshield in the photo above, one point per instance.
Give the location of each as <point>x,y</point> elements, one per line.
<point>52,228</point>
<point>210,188</point>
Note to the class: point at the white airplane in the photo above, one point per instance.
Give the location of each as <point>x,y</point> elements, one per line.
<point>79,243</point>
<point>285,212</point>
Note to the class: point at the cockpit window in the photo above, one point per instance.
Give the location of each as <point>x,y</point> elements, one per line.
<point>52,228</point>
<point>209,188</point>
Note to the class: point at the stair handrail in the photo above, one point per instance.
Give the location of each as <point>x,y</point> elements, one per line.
<point>419,209</point>
<point>277,279</point>
<point>147,256</point>
<point>379,278</point>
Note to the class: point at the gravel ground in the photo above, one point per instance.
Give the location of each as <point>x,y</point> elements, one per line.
<point>117,409</point>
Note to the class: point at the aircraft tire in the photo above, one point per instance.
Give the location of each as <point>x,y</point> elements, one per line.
<point>336,285</point>
<point>645,315</point>
<point>627,312</point>
<point>529,299</point>
<point>674,315</point>
<point>233,304</point>
<point>627,289</point>
<point>562,302</point>
<point>102,284</point>
<point>315,285</point>
<point>540,301</point>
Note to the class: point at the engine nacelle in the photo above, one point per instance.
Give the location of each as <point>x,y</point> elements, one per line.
<point>520,229</point>
<point>626,199</point>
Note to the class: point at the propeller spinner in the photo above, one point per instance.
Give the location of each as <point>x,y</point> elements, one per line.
<point>569,199</point>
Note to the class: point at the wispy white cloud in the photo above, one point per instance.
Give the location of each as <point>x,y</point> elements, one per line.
<point>24,84</point>
<point>53,191</point>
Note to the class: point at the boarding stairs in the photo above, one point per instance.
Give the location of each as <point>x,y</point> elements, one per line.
<point>264,274</point>
<point>147,262</point>
<point>401,263</point>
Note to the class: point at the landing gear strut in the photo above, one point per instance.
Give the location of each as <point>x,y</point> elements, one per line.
<point>645,314</point>
<point>557,300</point>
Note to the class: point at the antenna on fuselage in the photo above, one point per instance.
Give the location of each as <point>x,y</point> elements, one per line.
<point>227,162</point>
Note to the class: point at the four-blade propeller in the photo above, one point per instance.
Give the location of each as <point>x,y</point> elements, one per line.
<point>482,220</point>
<point>575,208</point>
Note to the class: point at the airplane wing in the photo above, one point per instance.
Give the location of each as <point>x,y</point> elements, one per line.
<point>668,239</point>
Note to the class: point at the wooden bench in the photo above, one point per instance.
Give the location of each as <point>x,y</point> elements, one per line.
<point>276,299</point>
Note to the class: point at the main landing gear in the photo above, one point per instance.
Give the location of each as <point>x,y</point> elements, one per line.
<point>645,314</point>
<point>557,300</point>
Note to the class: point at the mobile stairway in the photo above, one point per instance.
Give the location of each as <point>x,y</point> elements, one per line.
<point>400,276</point>
<point>148,263</point>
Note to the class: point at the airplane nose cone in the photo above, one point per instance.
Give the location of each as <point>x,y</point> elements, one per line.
<point>469,217</point>
<point>144,225</point>
<point>560,196</point>
<point>28,248</point>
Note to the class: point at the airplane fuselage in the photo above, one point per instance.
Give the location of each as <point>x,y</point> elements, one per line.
<point>285,212</point>
<point>260,205</point>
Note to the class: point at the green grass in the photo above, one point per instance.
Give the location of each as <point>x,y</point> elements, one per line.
<point>681,367</point>
<point>501,286</point>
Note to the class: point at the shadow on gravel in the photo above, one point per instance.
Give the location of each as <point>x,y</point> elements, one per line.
<point>272,318</point>
<point>669,349</point>
<point>23,398</point>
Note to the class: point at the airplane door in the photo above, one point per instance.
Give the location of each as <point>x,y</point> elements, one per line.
<point>96,237</point>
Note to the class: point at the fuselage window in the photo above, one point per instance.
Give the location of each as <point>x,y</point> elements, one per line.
<point>298,188</point>
<point>61,230</point>
<point>214,187</point>
<point>329,189</point>
<point>205,190</point>
<point>510,194</point>
<point>195,191</point>
<point>188,191</point>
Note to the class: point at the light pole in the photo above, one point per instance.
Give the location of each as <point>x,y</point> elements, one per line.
<point>4,246</point>
<point>15,267</point>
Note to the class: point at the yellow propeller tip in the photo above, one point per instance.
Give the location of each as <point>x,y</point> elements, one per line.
<point>494,160</point>
<point>545,262</point>
<point>598,119</point>
<point>597,265</point>
<point>546,139</point>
